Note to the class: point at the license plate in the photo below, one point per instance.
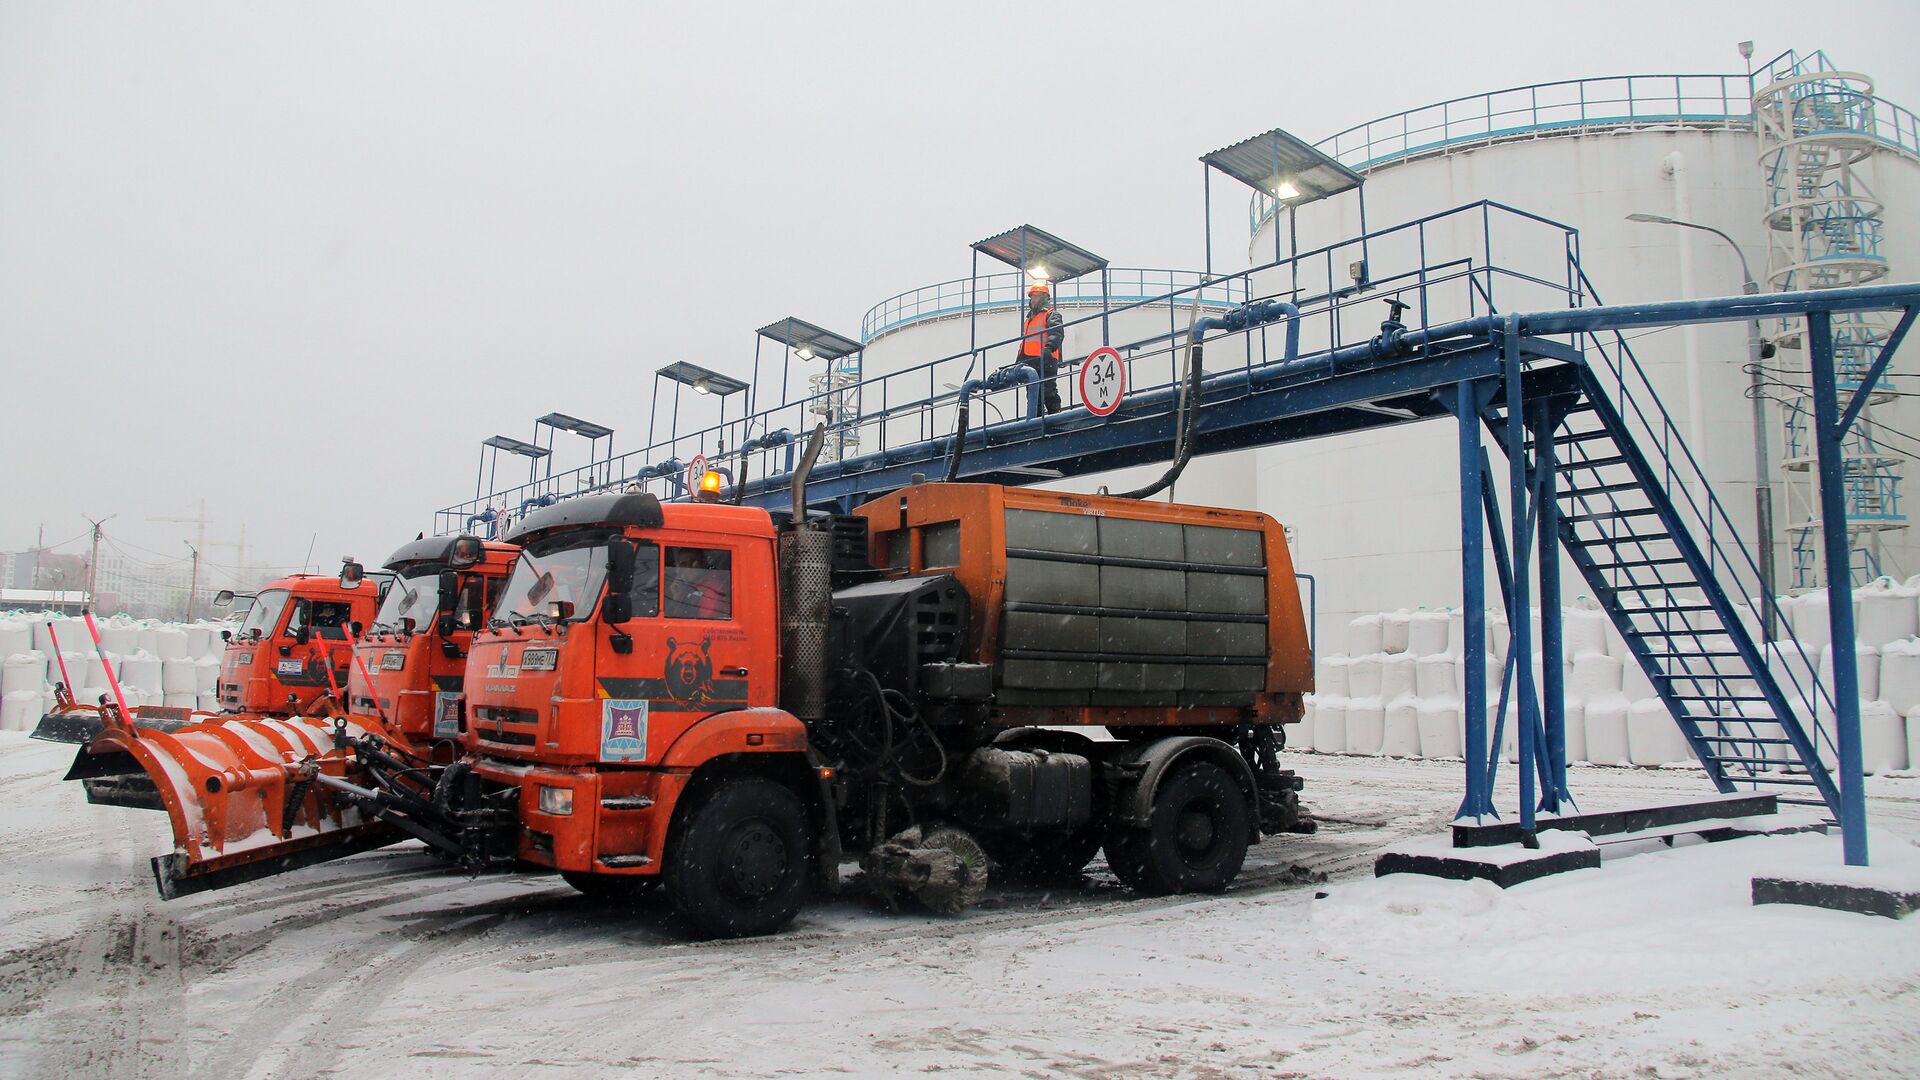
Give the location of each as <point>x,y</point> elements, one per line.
<point>289,667</point>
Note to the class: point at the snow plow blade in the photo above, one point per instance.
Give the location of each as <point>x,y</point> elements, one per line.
<point>81,724</point>
<point>248,797</point>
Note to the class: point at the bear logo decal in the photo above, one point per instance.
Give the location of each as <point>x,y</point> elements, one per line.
<point>689,671</point>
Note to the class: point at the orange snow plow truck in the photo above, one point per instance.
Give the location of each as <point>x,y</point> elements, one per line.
<point>289,652</point>
<point>730,704</point>
<point>404,689</point>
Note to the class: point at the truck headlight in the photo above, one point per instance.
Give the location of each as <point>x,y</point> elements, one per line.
<point>557,801</point>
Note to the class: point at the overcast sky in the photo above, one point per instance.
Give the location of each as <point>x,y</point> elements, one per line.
<point>299,259</point>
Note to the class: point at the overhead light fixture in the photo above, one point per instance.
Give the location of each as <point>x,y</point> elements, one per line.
<point>1650,219</point>
<point>701,387</point>
<point>803,353</point>
<point>1038,272</point>
<point>1286,191</point>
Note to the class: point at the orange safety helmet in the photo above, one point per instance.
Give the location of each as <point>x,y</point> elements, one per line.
<point>1038,287</point>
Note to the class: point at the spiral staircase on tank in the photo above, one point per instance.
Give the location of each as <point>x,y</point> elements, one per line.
<point>1824,222</point>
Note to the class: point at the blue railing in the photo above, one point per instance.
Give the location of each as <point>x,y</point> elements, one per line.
<point>1570,105</point>
<point>1731,560</point>
<point>1008,290</point>
<point>1443,265</point>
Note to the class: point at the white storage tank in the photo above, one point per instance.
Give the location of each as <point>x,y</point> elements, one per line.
<point>1377,514</point>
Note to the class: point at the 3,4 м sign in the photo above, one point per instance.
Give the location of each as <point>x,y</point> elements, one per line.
<point>1103,381</point>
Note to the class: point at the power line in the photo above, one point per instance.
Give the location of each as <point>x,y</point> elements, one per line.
<point>116,546</point>
<point>55,547</point>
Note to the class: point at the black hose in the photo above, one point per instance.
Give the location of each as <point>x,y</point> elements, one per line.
<point>907,716</point>
<point>1188,419</point>
<point>959,439</point>
<point>740,485</point>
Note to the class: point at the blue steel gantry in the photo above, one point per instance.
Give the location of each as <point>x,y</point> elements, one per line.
<point>1522,358</point>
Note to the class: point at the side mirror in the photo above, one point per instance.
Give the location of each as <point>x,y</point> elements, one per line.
<point>467,550</point>
<point>226,635</point>
<point>355,628</point>
<point>560,610</point>
<point>443,623</point>
<point>617,609</point>
<point>302,635</point>
<point>223,598</point>
<point>407,624</point>
<point>449,589</point>
<point>351,573</point>
<point>622,557</point>
<point>621,554</point>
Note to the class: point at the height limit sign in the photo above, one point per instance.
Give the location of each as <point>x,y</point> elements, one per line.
<point>1103,381</point>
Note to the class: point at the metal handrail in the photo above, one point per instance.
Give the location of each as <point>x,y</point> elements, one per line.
<point>1009,289</point>
<point>917,403</point>
<point>1712,527</point>
<point>1568,105</point>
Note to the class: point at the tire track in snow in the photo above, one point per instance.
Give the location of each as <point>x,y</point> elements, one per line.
<point>290,1020</point>
<point>113,1002</point>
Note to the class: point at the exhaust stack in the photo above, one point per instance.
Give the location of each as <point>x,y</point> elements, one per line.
<point>806,592</point>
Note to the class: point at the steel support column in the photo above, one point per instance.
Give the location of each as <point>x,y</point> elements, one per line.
<point>1468,397</point>
<point>1519,617</point>
<point>1545,417</point>
<point>1830,456</point>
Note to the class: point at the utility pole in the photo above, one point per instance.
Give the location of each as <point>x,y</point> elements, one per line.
<point>93,560</point>
<point>39,552</point>
<point>193,582</point>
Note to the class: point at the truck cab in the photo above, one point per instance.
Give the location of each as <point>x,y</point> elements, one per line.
<point>624,626</point>
<point>293,644</point>
<point>413,655</point>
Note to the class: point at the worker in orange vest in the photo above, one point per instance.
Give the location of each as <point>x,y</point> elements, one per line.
<point>1040,340</point>
<point>1039,343</point>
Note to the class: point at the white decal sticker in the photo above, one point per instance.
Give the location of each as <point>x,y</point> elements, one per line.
<point>446,714</point>
<point>623,729</point>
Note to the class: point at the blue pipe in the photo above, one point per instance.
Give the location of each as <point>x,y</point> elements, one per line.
<point>1013,375</point>
<point>535,502</point>
<point>1244,317</point>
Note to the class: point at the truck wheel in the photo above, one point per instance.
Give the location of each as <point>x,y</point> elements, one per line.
<point>737,865</point>
<point>1045,857</point>
<point>1195,839</point>
<point>611,888</point>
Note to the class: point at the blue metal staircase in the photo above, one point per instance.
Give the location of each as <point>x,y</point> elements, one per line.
<point>1629,518</point>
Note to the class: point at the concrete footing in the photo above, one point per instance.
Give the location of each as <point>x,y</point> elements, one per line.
<point>1841,890</point>
<point>1505,866</point>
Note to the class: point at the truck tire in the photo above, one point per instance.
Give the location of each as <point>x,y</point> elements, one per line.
<point>738,863</point>
<point>1195,839</point>
<point>611,888</point>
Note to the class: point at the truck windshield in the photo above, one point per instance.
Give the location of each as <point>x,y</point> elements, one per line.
<point>571,567</point>
<point>416,597</point>
<point>264,613</point>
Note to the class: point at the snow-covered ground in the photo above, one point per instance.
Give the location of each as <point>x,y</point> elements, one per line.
<point>387,964</point>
